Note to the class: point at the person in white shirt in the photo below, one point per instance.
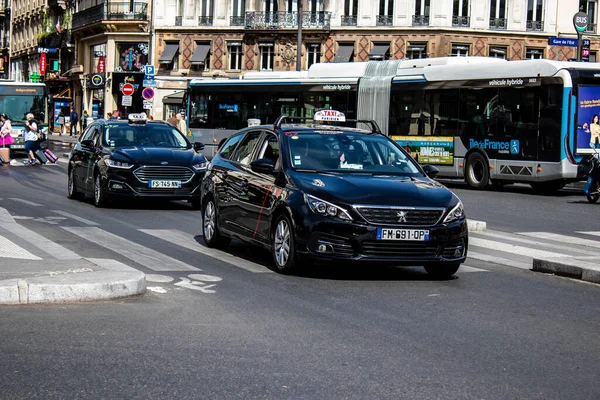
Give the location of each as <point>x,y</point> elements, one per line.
<point>181,123</point>
<point>31,139</point>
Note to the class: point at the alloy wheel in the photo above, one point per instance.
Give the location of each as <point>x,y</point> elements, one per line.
<point>209,221</point>
<point>97,190</point>
<point>282,243</point>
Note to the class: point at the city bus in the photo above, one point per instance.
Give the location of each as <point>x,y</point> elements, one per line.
<point>485,120</point>
<point>17,99</point>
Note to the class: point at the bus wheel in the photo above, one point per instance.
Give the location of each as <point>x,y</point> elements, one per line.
<point>548,187</point>
<point>477,172</point>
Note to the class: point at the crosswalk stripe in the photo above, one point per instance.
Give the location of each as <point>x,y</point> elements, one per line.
<point>142,255</point>
<point>596,233</point>
<point>521,240</point>
<point>75,217</point>
<point>187,241</point>
<point>9,249</point>
<point>466,268</point>
<point>511,248</point>
<point>499,260</point>
<point>562,238</point>
<point>29,203</point>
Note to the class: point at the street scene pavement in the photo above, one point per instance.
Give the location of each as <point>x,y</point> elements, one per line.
<point>160,315</point>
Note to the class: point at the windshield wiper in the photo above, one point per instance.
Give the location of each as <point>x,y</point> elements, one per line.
<point>316,171</point>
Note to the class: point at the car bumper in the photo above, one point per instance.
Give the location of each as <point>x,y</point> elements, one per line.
<point>125,184</point>
<point>322,238</point>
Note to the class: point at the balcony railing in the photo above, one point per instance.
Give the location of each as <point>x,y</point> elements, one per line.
<point>384,20</point>
<point>537,26</point>
<point>178,20</point>
<point>461,20</point>
<point>111,11</point>
<point>205,20</point>
<point>498,23</point>
<point>591,28</point>
<point>420,20</point>
<point>349,20</point>
<point>237,21</point>
<point>283,20</point>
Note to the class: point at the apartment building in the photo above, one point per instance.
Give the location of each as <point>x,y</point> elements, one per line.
<point>4,38</point>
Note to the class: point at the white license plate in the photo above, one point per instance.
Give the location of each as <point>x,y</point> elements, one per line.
<point>403,234</point>
<point>17,146</point>
<point>164,184</point>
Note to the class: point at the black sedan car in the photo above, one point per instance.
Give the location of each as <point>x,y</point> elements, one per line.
<point>135,158</point>
<point>331,193</point>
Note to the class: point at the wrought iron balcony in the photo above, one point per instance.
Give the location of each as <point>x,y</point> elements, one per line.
<point>349,20</point>
<point>287,20</point>
<point>591,28</point>
<point>111,11</point>
<point>178,20</point>
<point>384,20</point>
<point>205,20</point>
<point>498,23</point>
<point>537,26</point>
<point>420,20</point>
<point>237,21</point>
<point>461,20</point>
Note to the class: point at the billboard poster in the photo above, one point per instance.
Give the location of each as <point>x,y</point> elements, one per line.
<point>428,149</point>
<point>588,119</point>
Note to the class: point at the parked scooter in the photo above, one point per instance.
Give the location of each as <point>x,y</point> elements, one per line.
<point>591,167</point>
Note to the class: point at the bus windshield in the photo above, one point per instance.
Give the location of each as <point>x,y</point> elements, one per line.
<point>19,99</point>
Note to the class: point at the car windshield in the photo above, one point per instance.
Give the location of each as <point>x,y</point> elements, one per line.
<point>148,135</point>
<point>348,152</point>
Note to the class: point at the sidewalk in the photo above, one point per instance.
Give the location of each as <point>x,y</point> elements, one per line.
<point>55,137</point>
<point>583,268</point>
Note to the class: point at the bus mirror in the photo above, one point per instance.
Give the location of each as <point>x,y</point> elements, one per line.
<point>431,171</point>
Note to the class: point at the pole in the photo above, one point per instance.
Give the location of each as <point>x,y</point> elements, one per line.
<point>151,38</point>
<point>579,44</point>
<point>299,44</point>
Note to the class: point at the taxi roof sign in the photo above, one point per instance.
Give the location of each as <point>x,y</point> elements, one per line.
<point>138,118</point>
<point>329,115</point>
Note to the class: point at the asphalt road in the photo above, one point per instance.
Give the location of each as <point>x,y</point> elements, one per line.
<point>333,332</point>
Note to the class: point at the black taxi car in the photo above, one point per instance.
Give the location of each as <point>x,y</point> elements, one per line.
<point>331,193</point>
<point>135,157</point>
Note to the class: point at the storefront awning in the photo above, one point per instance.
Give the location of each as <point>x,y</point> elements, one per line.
<point>199,56</point>
<point>378,51</point>
<point>168,53</point>
<point>344,53</point>
<point>175,98</point>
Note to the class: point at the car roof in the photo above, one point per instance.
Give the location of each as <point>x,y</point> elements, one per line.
<point>315,128</point>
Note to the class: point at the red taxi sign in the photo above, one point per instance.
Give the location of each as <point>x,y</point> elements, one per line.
<point>330,115</point>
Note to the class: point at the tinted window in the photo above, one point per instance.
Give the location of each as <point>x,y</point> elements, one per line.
<point>270,149</point>
<point>228,148</point>
<point>244,150</point>
<point>89,133</point>
<point>150,135</point>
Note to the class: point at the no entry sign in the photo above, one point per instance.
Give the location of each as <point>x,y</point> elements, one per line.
<point>127,89</point>
<point>148,93</point>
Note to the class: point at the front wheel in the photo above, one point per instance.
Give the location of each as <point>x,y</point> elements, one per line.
<point>212,236</point>
<point>284,245</point>
<point>100,196</point>
<point>594,194</point>
<point>442,271</point>
<point>72,192</point>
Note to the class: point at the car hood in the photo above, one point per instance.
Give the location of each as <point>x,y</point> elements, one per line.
<point>158,155</point>
<point>354,189</point>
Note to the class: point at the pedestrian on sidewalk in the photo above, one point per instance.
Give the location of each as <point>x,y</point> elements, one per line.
<point>84,118</point>
<point>5,132</point>
<point>31,139</point>
<point>181,123</point>
<point>74,122</point>
<point>60,121</point>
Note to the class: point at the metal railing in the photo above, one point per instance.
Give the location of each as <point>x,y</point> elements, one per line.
<point>237,21</point>
<point>111,11</point>
<point>537,26</point>
<point>461,20</point>
<point>349,20</point>
<point>205,20</point>
<point>283,20</point>
<point>178,20</point>
<point>420,20</point>
<point>384,20</point>
<point>498,23</point>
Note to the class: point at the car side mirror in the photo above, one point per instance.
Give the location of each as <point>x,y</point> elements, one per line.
<point>431,171</point>
<point>87,143</point>
<point>198,146</point>
<point>262,166</point>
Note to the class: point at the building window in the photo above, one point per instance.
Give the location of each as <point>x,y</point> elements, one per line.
<point>169,59</point>
<point>313,52</point>
<point>460,13</point>
<point>205,16</point>
<point>498,52</point>
<point>98,57</point>
<point>592,56</point>
<point>421,17</point>
<point>535,15</point>
<point>498,14</point>
<point>200,60</point>
<point>179,13</point>
<point>235,55</point>
<point>292,5</point>
<point>266,56</point>
<point>416,51</point>
<point>269,6</point>
<point>589,7</point>
<point>534,54</point>
<point>238,13</point>
<point>316,6</point>
<point>459,50</point>
<point>386,13</point>
<point>350,13</point>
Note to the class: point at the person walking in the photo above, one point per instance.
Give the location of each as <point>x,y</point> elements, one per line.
<point>74,122</point>
<point>60,121</point>
<point>31,139</point>
<point>84,118</point>
<point>5,132</point>
<point>181,123</point>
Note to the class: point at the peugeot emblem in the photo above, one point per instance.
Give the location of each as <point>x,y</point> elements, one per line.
<point>163,163</point>
<point>401,216</point>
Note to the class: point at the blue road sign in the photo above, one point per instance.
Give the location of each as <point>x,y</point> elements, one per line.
<point>149,70</point>
<point>556,41</point>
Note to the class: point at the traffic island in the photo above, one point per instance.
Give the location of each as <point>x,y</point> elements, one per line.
<point>569,267</point>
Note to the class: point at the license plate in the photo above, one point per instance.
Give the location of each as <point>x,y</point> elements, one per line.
<point>403,234</point>
<point>17,146</point>
<point>164,184</point>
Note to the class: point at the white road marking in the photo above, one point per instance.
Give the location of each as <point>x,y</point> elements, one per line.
<point>554,246</point>
<point>159,278</point>
<point>466,268</point>
<point>75,217</point>
<point>205,278</point>
<point>188,284</point>
<point>156,289</point>
<point>499,260</point>
<point>593,233</point>
<point>187,241</point>
<point>29,203</point>
<point>9,249</point>
<point>563,238</point>
<point>511,248</point>
<point>142,255</point>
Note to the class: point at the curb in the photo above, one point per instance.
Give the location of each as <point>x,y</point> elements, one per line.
<point>582,270</point>
<point>476,226</point>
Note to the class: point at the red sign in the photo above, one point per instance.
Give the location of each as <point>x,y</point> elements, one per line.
<point>101,64</point>
<point>127,89</point>
<point>43,64</point>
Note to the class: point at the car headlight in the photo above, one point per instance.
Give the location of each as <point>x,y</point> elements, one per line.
<point>201,166</point>
<point>325,208</point>
<point>456,213</point>
<point>117,164</point>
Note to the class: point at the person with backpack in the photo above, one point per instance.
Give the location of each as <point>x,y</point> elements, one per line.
<point>32,143</point>
<point>74,122</point>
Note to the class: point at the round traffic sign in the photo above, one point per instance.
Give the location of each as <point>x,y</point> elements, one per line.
<point>127,89</point>
<point>148,93</point>
<point>580,21</point>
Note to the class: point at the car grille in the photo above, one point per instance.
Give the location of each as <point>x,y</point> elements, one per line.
<point>392,215</point>
<point>340,245</point>
<point>399,249</point>
<point>165,191</point>
<point>167,173</point>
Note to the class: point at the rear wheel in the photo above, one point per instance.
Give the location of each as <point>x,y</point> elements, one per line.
<point>212,236</point>
<point>477,172</point>
<point>442,271</point>
<point>100,196</point>
<point>72,192</point>
<point>284,245</point>
<point>595,194</point>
